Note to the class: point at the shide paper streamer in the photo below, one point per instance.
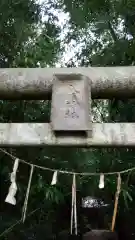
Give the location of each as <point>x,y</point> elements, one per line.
<point>54,179</point>
<point>101,181</point>
<point>13,187</point>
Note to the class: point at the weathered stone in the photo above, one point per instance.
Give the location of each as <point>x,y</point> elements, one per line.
<point>40,134</point>
<point>71,103</point>
<point>29,83</point>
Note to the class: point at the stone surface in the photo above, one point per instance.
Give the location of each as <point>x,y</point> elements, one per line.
<point>37,134</point>
<point>29,83</point>
<point>70,109</point>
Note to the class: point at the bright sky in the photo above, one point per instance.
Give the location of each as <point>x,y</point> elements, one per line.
<point>62,23</point>
<point>71,48</point>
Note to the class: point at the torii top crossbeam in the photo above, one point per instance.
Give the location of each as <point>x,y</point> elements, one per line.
<point>36,83</point>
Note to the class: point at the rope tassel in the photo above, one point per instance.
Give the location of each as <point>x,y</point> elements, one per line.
<point>27,195</point>
<point>116,201</point>
<point>74,208</point>
<point>13,187</point>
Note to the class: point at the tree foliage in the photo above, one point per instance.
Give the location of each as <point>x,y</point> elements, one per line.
<point>105,31</point>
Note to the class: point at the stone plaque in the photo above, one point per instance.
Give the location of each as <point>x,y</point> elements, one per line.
<point>70,110</point>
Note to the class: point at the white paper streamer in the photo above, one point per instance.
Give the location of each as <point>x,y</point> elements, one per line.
<point>54,178</point>
<point>13,187</point>
<point>101,181</point>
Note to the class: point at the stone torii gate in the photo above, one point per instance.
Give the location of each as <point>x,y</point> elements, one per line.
<point>71,90</point>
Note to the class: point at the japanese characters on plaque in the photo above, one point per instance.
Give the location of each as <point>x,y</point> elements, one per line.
<point>70,109</point>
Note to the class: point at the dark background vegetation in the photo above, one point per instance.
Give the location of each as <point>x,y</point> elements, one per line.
<point>31,37</point>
